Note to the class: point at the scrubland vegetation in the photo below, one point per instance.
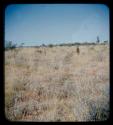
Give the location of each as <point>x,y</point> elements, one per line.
<point>57,83</point>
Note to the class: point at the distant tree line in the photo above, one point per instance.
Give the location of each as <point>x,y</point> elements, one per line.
<point>11,45</point>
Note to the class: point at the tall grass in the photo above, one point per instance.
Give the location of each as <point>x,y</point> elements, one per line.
<point>57,84</point>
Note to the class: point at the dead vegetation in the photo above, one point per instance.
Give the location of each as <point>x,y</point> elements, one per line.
<point>57,84</point>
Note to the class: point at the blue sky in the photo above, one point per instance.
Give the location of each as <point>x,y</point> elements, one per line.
<point>36,24</point>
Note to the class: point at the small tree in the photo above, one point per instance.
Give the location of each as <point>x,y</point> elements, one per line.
<point>105,42</point>
<point>43,45</point>
<point>50,45</point>
<point>9,45</point>
<point>21,45</point>
<point>98,40</point>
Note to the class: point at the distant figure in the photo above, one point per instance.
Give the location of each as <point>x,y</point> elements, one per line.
<point>78,51</point>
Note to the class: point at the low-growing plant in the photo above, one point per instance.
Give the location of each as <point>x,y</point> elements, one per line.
<point>99,113</point>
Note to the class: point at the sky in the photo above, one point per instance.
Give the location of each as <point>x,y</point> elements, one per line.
<point>36,24</point>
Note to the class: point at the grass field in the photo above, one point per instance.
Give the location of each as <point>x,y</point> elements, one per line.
<point>57,84</point>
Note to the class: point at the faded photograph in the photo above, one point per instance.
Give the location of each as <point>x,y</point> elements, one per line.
<point>57,62</point>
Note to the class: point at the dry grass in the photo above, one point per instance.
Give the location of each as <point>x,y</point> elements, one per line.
<point>57,84</point>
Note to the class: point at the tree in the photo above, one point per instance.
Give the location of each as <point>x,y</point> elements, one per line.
<point>105,42</point>
<point>98,40</point>
<point>43,45</point>
<point>50,45</point>
<point>9,45</point>
<point>21,45</point>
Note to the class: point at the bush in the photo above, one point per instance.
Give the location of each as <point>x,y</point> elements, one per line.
<point>105,42</point>
<point>50,45</point>
<point>10,45</point>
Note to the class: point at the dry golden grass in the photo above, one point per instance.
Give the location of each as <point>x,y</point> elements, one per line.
<point>57,84</point>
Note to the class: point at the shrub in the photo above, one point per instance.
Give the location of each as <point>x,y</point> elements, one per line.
<point>50,45</point>
<point>105,42</point>
<point>10,45</point>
